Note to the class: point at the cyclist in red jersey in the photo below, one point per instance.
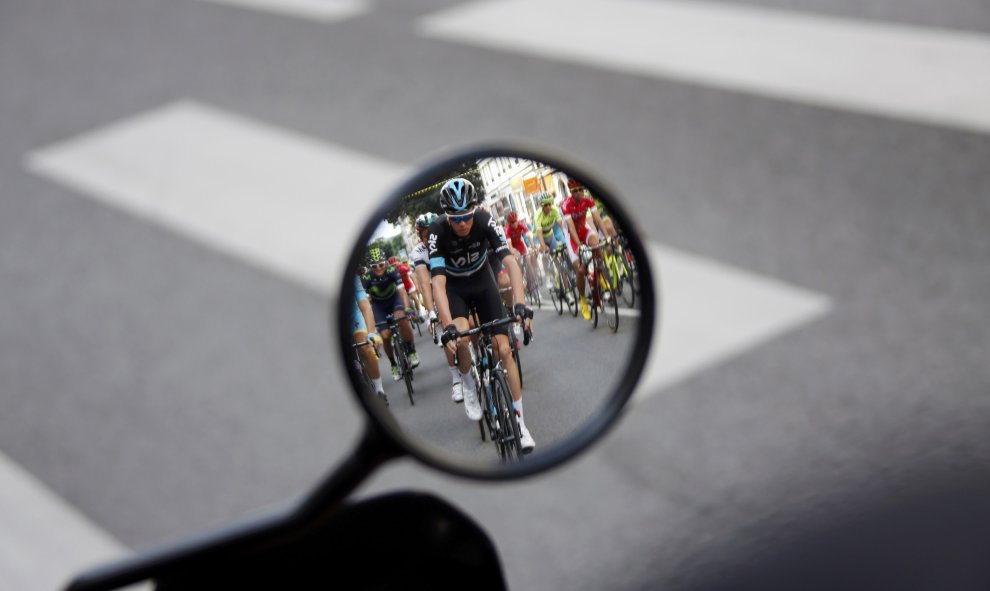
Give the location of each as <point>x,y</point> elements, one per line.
<point>405,272</point>
<point>575,210</point>
<point>519,238</point>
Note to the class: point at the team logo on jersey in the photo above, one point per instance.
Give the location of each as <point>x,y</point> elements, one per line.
<point>466,260</point>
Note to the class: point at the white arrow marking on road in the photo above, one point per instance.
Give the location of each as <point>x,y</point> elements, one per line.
<point>910,72</point>
<point>712,312</point>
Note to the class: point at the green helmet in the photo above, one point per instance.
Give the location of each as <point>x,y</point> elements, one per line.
<point>376,255</point>
<point>545,199</point>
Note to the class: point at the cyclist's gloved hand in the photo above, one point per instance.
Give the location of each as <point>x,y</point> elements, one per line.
<point>449,334</point>
<point>522,312</point>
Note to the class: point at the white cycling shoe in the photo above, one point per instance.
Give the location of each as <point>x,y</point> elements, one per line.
<point>457,393</point>
<point>472,407</point>
<point>526,440</point>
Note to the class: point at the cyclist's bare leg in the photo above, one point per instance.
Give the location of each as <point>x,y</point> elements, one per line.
<point>503,352</point>
<point>368,353</point>
<point>387,344</point>
<point>463,346</point>
<point>503,283</point>
<point>405,329</point>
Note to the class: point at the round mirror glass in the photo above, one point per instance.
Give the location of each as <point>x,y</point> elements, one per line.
<point>497,312</point>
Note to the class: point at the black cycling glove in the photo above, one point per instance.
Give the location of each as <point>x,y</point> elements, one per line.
<point>522,311</point>
<point>449,334</point>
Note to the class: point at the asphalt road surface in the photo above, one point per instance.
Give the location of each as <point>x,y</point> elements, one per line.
<point>165,364</point>
<point>568,372</point>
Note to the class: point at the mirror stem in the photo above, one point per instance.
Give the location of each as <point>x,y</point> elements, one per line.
<point>372,451</point>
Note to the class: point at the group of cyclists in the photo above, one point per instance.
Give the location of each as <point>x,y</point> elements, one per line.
<point>463,271</point>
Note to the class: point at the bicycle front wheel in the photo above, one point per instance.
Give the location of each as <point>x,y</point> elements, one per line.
<point>570,289</point>
<point>557,293</point>
<point>514,343</point>
<point>607,301</point>
<point>404,369</point>
<point>511,437</point>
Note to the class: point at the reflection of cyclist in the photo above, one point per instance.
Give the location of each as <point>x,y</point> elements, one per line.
<point>458,246</point>
<point>606,226</point>
<point>388,296</point>
<point>549,224</point>
<point>576,209</point>
<point>520,241</point>
<point>421,261</point>
<point>364,317</point>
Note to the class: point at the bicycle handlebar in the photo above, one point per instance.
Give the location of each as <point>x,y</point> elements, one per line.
<point>487,327</point>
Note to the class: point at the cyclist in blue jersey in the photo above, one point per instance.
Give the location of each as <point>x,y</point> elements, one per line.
<point>388,296</point>
<point>364,317</point>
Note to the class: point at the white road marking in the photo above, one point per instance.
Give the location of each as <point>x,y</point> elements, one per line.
<point>711,312</point>
<point>274,198</point>
<point>292,205</point>
<point>915,73</point>
<point>43,541</point>
<point>318,10</point>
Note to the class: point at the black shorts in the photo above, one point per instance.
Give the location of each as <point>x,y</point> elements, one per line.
<point>383,308</point>
<point>479,291</point>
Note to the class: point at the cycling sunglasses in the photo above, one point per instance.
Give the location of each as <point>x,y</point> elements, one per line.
<point>460,219</point>
<point>378,265</point>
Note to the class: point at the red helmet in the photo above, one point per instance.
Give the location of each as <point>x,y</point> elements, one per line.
<point>392,260</point>
<point>573,186</point>
<point>512,217</point>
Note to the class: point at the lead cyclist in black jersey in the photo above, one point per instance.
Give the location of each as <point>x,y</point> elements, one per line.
<point>458,246</point>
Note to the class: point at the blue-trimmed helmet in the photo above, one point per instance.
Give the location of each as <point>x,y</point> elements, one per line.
<point>423,222</point>
<point>458,195</point>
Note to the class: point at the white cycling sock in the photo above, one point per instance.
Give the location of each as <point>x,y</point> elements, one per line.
<point>467,380</point>
<point>455,375</point>
<point>517,404</point>
<point>378,385</point>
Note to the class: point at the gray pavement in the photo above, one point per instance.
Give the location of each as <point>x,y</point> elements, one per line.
<point>161,387</point>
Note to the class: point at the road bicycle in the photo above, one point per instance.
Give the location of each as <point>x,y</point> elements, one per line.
<point>399,352</point>
<point>618,267</point>
<point>498,416</point>
<point>415,320</point>
<point>531,281</point>
<point>369,386</point>
<point>599,281</point>
<point>563,290</point>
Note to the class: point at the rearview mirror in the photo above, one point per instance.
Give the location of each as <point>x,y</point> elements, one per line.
<point>454,250</point>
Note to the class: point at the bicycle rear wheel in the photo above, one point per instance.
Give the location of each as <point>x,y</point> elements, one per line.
<point>511,438</point>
